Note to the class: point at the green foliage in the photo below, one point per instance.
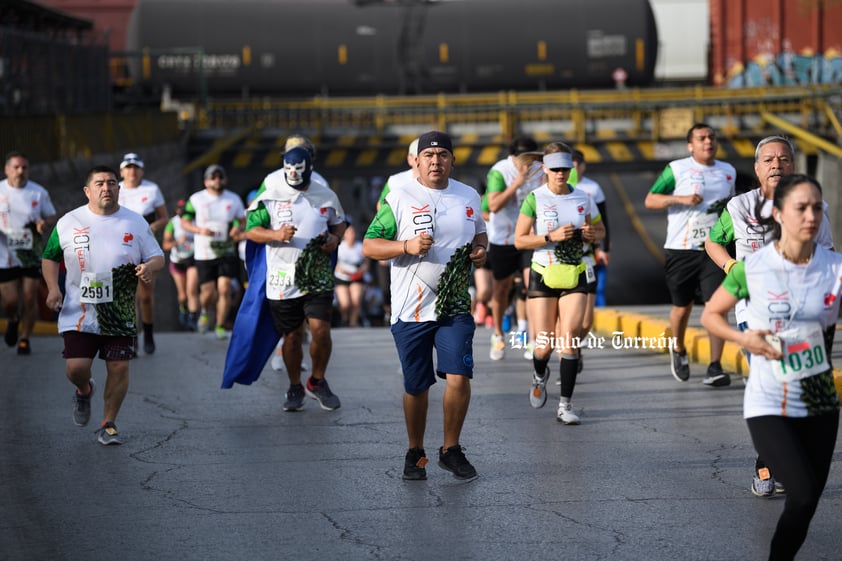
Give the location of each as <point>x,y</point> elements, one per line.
<point>313,272</point>
<point>571,250</point>
<point>30,258</point>
<point>819,393</point>
<point>452,296</point>
<point>118,316</point>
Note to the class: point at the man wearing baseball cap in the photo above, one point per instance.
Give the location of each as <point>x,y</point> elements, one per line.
<point>145,198</point>
<point>432,230</point>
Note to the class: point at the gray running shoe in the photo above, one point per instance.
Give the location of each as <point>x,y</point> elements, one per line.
<point>679,365</point>
<point>108,435</point>
<point>320,391</point>
<point>295,398</point>
<point>716,377</point>
<point>763,487</point>
<point>82,407</point>
<point>538,392</point>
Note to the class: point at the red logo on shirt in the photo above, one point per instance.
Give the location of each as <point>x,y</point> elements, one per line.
<point>144,199</point>
<point>34,204</point>
<point>469,211</point>
<point>323,210</point>
<point>580,209</point>
<point>127,237</point>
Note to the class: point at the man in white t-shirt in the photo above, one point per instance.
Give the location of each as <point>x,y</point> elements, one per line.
<point>432,230</point>
<point>26,213</point>
<point>106,250</point>
<point>301,224</point>
<point>145,198</point>
<point>216,216</point>
<point>693,191</point>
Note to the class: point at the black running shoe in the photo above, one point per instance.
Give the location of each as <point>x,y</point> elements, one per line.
<point>453,460</point>
<point>23,347</point>
<point>11,333</point>
<point>716,377</point>
<point>413,465</point>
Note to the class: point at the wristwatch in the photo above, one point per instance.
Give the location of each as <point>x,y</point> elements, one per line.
<point>547,238</point>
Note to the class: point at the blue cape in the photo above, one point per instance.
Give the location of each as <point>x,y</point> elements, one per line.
<point>254,337</point>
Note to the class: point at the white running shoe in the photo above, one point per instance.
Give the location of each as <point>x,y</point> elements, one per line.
<point>528,351</point>
<point>498,348</point>
<point>566,415</point>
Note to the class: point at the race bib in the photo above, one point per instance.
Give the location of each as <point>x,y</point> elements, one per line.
<point>19,239</point>
<point>699,227</point>
<point>219,231</point>
<point>96,288</point>
<point>280,276</point>
<point>803,354</point>
<point>590,275</point>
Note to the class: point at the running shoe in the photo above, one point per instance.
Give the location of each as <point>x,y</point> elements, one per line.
<point>453,460</point>
<point>538,393</point>
<point>23,347</point>
<point>566,415</point>
<point>498,347</point>
<point>679,365</point>
<point>204,323</point>
<point>220,333</point>
<point>779,488</point>
<point>763,487</point>
<point>109,435</point>
<point>295,398</point>
<point>149,344</point>
<point>11,333</point>
<point>320,391</point>
<point>716,377</point>
<point>414,465</point>
<point>529,351</point>
<point>82,406</point>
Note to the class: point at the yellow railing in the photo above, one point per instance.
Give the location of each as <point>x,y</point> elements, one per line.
<point>580,113</point>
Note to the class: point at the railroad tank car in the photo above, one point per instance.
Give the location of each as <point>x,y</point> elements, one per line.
<point>368,47</point>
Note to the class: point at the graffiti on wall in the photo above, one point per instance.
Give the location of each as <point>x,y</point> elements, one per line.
<point>786,68</point>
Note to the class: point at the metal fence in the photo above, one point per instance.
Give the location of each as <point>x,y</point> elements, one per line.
<point>42,75</point>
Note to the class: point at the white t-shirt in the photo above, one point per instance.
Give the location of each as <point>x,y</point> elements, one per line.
<point>688,226</point>
<point>143,199</point>
<point>217,213</point>
<point>501,224</point>
<point>453,216</point>
<point>90,243</point>
<point>780,296</point>
<point>19,207</point>
<point>551,211</point>
<point>350,258</point>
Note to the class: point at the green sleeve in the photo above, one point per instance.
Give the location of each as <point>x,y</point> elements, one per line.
<point>735,281</point>
<point>529,206</point>
<point>665,184</point>
<point>169,228</point>
<point>53,250</point>
<point>260,189</point>
<point>384,224</point>
<point>722,232</point>
<point>495,182</point>
<point>189,211</point>
<point>258,217</point>
<point>573,179</point>
<point>383,194</point>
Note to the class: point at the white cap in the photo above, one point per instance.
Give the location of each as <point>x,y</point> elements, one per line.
<point>131,159</point>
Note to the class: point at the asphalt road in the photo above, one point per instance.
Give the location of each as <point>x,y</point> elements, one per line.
<point>658,470</point>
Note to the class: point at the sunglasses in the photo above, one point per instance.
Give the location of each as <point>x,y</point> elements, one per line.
<point>557,170</point>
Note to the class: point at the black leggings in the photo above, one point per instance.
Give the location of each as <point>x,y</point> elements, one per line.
<point>799,452</point>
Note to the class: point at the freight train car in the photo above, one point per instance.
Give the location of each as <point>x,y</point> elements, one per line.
<point>367,47</point>
<point>775,42</point>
